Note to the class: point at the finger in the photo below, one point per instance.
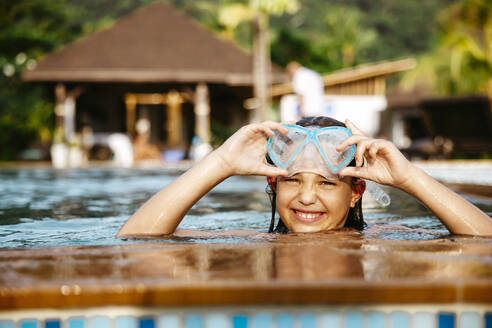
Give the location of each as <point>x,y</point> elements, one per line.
<point>372,149</point>
<point>355,130</point>
<point>360,150</point>
<point>276,126</point>
<point>372,152</point>
<point>353,140</point>
<point>378,148</point>
<point>262,128</point>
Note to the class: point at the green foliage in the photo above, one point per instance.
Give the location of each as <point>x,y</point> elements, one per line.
<point>467,40</point>
<point>404,28</point>
<point>94,15</point>
<point>28,29</point>
<point>345,36</point>
<point>331,35</point>
<point>461,63</point>
<point>34,27</point>
<point>25,115</point>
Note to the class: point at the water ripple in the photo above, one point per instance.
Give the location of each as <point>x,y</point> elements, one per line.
<point>48,208</point>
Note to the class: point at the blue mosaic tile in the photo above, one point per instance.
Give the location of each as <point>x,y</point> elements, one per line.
<point>488,320</point>
<point>239,321</point>
<point>28,324</point>
<point>329,320</point>
<point>376,320</point>
<point>194,321</point>
<point>52,323</point>
<point>262,320</point>
<point>307,320</point>
<point>445,320</point>
<point>6,324</point>
<point>354,320</point>
<point>146,323</point>
<point>470,320</point>
<point>168,321</point>
<point>216,320</point>
<point>424,320</point>
<point>76,323</point>
<point>99,322</point>
<point>126,322</point>
<point>400,319</point>
<point>285,320</point>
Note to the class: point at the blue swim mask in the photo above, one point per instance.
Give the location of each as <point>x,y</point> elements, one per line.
<point>311,149</point>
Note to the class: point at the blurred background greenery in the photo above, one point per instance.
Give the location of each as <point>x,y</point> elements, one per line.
<point>451,39</point>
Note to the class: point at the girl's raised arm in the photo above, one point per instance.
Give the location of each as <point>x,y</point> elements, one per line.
<point>387,165</point>
<point>243,153</point>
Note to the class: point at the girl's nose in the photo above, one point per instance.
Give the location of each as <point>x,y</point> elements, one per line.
<point>307,195</point>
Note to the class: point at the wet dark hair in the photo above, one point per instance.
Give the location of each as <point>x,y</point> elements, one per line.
<point>355,218</point>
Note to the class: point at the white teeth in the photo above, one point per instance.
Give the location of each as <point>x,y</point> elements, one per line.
<point>307,215</point>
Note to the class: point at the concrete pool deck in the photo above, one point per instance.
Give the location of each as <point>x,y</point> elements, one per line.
<point>469,177</point>
<point>329,268</point>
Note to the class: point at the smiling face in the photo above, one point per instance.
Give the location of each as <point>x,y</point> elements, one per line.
<point>308,202</point>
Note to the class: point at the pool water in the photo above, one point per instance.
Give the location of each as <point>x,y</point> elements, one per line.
<point>42,208</point>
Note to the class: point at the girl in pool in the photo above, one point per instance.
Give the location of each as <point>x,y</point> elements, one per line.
<point>313,188</point>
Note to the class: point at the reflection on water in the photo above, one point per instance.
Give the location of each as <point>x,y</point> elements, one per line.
<point>44,208</point>
<point>319,257</point>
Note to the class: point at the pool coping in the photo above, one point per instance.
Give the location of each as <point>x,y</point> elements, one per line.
<point>337,292</point>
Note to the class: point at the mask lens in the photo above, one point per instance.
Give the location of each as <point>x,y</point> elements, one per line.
<point>328,140</point>
<point>283,147</point>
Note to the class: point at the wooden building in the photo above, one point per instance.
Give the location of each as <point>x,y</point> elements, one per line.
<point>368,79</point>
<point>356,93</point>
<point>154,63</point>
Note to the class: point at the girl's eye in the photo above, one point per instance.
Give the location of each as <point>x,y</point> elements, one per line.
<point>327,183</point>
<point>291,180</point>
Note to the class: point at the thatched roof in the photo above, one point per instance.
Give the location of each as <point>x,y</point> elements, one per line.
<point>153,44</point>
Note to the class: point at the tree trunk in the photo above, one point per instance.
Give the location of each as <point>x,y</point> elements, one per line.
<point>261,68</point>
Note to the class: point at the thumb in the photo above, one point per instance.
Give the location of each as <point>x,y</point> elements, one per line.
<point>352,171</point>
<point>272,171</point>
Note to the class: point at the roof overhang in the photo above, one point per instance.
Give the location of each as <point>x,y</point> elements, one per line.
<point>141,76</point>
<point>353,74</point>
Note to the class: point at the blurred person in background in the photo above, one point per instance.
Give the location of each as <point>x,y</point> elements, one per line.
<point>309,88</point>
<point>142,148</point>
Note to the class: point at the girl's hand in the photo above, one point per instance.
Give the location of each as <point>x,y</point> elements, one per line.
<point>384,163</point>
<point>244,152</point>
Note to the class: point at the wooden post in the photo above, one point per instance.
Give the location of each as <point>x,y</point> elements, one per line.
<point>69,117</point>
<point>174,123</point>
<point>261,67</point>
<point>202,113</point>
<point>60,96</point>
<point>131,108</point>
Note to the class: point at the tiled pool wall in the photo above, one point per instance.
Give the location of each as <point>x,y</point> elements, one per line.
<point>407,316</point>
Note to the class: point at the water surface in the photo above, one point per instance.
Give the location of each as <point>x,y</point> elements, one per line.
<point>42,208</point>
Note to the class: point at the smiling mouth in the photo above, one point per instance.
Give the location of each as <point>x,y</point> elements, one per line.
<point>305,216</point>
